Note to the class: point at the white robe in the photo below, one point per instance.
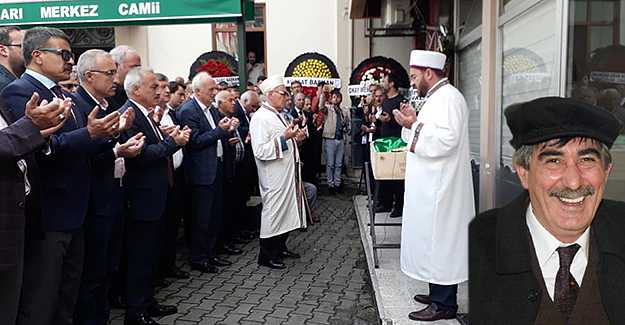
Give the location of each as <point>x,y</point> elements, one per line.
<point>281,188</point>
<point>438,199</point>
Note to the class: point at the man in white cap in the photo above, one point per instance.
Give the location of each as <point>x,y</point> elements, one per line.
<point>439,189</point>
<point>274,142</point>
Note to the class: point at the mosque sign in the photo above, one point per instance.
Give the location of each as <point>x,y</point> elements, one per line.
<point>119,12</point>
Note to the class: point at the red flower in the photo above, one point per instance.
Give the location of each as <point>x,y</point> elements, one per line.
<point>215,69</point>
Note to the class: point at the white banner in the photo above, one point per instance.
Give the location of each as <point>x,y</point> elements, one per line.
<point>232,81</point>
<point>611,77</point>
<point>312,82</point>
<point>358,90</point>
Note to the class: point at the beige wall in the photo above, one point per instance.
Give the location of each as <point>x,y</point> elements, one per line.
<point>298,26</point>
<point>169,49</point>
<point>293,27</point>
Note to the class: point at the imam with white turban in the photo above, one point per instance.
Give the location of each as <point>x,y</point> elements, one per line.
<point>279,171</point>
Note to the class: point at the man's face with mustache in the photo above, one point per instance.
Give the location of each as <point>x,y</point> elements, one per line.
<point>53,65</point>
<point>566,185</point>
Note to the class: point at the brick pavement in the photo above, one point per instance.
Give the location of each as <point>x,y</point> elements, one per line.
<point>328,285</point>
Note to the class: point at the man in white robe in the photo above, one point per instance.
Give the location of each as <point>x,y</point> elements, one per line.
<point>439,189</point>
<point>274,143</point>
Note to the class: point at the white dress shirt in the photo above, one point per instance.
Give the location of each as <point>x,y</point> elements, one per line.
<point>21,164</point>
<point>47,82</point>
<point>166,120</point>
<point>546,246</point>
<point>209,117</point>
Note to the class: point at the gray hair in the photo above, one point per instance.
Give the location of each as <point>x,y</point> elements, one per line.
<point>161,77</point>
<point>299,95</point>
<point>5,32</point>
<point>247,96</point>
<point>523,155</point>
<point>221,97</point>
<point>37,37</point>
<point>199,80</point>
<point>88,61</point>
<point>120,52</point>
<point>134,78</point>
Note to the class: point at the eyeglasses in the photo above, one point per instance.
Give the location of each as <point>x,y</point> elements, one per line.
<point>65,54</point>
<point>282,92</point>
<point>110,73</point>
<point>13,45</point>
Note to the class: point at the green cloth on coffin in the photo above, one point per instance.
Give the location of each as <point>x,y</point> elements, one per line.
<point>389,144</point>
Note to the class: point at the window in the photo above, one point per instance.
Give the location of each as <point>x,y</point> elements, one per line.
<point>595,70</point>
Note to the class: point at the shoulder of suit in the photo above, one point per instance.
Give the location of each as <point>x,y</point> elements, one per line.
<point>17,84</point>
<point>614,211</point>
<point>184,105</point>
<point>485,221</point>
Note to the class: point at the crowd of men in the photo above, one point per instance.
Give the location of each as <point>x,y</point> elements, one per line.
<point>105,160</point>
<point>97,178</point>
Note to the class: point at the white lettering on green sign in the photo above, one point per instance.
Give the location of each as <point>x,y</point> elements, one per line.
<point>140,8</point>
<point>69,11</point>
<point>11,13</point>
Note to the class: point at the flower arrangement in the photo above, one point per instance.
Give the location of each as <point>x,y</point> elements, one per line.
<point>314,68</point>
<point>216,68</point>
<point>373,70</point>
<point>374,75</point>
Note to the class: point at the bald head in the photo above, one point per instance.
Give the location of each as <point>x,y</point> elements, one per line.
<point>251,101</point>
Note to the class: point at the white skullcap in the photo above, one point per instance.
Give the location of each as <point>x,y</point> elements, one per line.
<point>271,83</point>
<point>427,59</point>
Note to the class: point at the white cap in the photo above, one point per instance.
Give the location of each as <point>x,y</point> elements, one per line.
<point>271,83</point>
<point>427,59</point>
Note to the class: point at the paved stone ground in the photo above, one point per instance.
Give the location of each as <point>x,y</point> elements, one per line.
<point>328,285</point>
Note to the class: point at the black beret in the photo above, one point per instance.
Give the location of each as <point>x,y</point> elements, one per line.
<point>549,118</point>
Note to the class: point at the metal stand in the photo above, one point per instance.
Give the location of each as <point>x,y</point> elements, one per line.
<point>371,204</point>
<point>362,178</point>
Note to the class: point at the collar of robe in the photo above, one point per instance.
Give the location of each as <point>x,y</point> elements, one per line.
<point>436,87</point>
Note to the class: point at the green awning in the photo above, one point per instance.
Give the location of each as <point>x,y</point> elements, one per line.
<point>78,13</point>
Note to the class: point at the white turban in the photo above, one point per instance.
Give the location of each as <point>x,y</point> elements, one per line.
<point>427,59</point>
<point>271,83</point>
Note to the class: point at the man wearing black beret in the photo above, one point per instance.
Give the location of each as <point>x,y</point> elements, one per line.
<point>556,254</point>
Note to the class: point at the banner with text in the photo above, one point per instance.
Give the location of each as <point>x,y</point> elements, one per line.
<point>118,12</point>
<point>312,82</point>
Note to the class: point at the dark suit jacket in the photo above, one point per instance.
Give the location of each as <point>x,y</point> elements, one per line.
<point>294,113</point>
<point>102,163</point>
<point>200,156</point>
<point>172,114</point>
<point>6,77</point>
<point>17,141</point>
<point>244,127</point>
<point>229,158</point>
<point>119,99</point>
<point>502,287</point>
<point>65,171</point>
<point>146,180</point>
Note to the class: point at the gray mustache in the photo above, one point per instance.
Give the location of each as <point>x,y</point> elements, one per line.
<point>570,194</point>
